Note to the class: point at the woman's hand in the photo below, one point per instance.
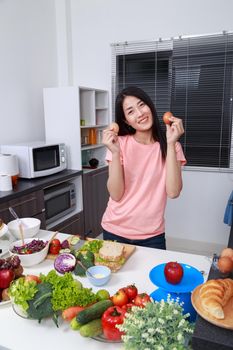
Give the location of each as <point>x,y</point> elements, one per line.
<point>110,139</point>
<point>175,130</point>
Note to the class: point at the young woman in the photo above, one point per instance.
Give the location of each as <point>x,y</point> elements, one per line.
<point>144,169</point>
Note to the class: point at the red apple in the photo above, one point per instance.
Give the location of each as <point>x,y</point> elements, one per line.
<point>6,276</point>
<point>173,272</point>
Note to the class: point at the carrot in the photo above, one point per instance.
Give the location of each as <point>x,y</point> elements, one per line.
<point>72,311</point>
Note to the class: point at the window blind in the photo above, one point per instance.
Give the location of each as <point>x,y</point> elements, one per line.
<point>192,77</point>
<point>202,97</point>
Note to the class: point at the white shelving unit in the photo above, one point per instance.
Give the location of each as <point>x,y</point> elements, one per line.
<point>71,115</point>
<point>94,117</point>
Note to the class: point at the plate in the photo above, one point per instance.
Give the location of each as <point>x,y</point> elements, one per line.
<point>227,322</point>
<point>191,279</point>
<point>7,302</point>
<point>20,312</point>
<point>102,339</point>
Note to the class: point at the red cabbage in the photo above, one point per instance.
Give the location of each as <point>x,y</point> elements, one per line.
<point>64,262</point>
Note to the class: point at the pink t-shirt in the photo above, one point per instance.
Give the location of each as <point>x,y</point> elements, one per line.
<point>140,212</point>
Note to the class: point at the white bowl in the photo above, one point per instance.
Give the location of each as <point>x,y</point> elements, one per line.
<point>98,275</point>
<point>30,226</point>
<point>30,259</point>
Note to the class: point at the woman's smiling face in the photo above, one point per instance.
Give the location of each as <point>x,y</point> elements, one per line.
<point>137,113</point>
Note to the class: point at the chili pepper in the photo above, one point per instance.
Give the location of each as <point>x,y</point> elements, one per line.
<point>111,317</point>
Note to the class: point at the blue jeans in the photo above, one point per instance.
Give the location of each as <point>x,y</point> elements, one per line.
<point>158,242</point>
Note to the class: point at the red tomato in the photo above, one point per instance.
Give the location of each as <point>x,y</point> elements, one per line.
<point>131,291</point>
<point>55,246</point>
<point>173,272</point>
<point>141,299</point>
<point>128,307</point>
<point>32,278</point>
<point>166,117</point>
<point>113,316</point>
<point>120,298</point>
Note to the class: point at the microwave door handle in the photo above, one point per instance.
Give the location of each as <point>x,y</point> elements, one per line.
<point>57,192</point>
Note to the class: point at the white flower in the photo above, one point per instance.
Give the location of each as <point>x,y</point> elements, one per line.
<point>145,335</point>
<point>161,321</point>
<point>179,337</point>
<point>160,347</point>
<point>181,323</point>
<point>152,325</point>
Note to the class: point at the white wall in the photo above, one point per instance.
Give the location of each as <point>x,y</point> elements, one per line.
<point>28,62</point>
<point>198,213</point>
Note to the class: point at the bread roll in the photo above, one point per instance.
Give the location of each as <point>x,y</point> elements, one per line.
<point>215,294</point>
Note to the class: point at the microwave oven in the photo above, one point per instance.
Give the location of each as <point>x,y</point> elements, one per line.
<point>38,159</point>
<point>60,200</point>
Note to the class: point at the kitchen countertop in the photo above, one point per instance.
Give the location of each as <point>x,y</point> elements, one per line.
<point>18,333</point>
<point>25,186</point>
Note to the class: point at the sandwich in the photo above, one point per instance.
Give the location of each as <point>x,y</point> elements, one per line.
<point>111,254</point>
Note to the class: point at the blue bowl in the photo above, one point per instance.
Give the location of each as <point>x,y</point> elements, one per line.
<point>98,275</point>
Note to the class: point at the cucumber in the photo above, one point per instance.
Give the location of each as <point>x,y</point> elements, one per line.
<point>91,329</point>
<point>94,311</point>
<point>74,324</point>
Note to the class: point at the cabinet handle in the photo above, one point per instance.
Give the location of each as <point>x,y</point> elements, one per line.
<point>26,201</point>
<point>70,223</point>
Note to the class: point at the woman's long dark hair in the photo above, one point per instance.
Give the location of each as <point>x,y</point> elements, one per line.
<point>125,129</point>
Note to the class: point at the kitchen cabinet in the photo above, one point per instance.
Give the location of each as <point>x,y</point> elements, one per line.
<point>30,205</point>
<point>28,200</point>
<point>74,225</point>
<point>95,198</point>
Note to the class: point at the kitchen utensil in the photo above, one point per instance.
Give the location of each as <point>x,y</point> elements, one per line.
<point>19,222</point>
<point>88,273</point>
<point>53,236</point>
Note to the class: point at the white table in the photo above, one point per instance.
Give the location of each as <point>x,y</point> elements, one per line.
<point>17,333</point>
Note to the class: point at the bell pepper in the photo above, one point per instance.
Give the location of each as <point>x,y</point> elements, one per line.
<point>113,316</point>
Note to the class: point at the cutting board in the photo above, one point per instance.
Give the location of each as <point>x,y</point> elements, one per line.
<point>227,322</point>
<point>128,251</point>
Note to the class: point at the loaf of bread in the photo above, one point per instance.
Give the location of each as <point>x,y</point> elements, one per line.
<point>215,294</point>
